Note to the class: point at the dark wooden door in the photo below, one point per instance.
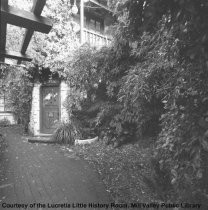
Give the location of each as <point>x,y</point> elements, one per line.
<point>50,109</point>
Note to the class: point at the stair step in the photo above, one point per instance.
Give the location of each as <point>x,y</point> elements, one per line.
<point>41,139</point>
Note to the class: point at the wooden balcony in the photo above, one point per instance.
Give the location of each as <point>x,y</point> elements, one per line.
<point>96,39</point>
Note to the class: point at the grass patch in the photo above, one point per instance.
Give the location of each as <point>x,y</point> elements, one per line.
<point>124,170</point>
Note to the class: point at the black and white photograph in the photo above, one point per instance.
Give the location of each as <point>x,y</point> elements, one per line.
<point>104,104</point>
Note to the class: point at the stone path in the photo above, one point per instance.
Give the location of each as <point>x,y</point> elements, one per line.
<point>45,174</point>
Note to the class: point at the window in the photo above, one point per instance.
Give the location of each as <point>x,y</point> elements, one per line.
<point>94,23</point>
<point>3,104</point>
<point>98,26</point>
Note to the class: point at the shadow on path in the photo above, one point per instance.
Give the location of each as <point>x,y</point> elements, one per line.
<point>40,173</point>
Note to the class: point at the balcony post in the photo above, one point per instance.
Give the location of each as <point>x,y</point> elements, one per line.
<point>81,21</point>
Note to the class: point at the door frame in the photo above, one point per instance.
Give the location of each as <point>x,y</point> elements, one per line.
<point>41,102</point>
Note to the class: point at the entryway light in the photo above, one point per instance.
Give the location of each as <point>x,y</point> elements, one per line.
<point>74,9</point>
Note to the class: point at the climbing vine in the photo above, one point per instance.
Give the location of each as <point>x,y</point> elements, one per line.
<point>17,86</point>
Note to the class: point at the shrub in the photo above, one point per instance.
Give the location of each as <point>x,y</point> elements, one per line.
<point>159,181</point>
<point>4,122</point>
<point>155,81</point>
<point>123,93</point>
<point>183,143</point>
<point>2,145</point>
<point>18,88</point>
<point>66,133</point>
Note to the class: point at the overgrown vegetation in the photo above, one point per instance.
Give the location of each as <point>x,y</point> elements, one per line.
<point>2,145</point>
<point>16,84</point>
<point>122,170</point>
<point>151,82</point>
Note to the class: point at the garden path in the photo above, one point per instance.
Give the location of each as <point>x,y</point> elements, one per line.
<point>46,174</point>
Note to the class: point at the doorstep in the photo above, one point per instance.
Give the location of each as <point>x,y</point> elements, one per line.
<point>42,138</point>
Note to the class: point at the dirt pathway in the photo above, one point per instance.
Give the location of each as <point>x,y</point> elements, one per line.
<point>45,174</point>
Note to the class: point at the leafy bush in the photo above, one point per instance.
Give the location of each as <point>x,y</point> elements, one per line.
<point>120,96</point>
<point>18,87</point>
<point>153,80</point>
<point>95,76</point>
<point>66,133</point>
<point>183,143</point>
<point>4,122</point>
<point>159,181</point>
<point>171,68</point>
<point>2,145</point>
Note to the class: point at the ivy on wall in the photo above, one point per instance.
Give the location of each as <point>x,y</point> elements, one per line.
<point>18,89</point>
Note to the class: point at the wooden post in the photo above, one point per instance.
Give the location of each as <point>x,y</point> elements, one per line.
<point>31,21</point>
<point>37,9</point>
<point>81,21</point>
<point>3,29</point>
<point>24,19</point>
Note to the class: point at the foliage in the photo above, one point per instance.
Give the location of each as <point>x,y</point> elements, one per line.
<point>66,133</point>
<point>3,145</point>
<point>42,75</point>
<point>18,87</point>
<point>89,74</point>
<point>146,83</point>
<point>182,143</point>
<point>122,170</point>
<point>109,85</point>
<point>1,138</point>
<point>62,39</point>
<point>4,123</point>
<point>153,80</point>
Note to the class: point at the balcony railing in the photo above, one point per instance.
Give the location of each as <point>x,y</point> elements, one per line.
<point>96,39</point>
